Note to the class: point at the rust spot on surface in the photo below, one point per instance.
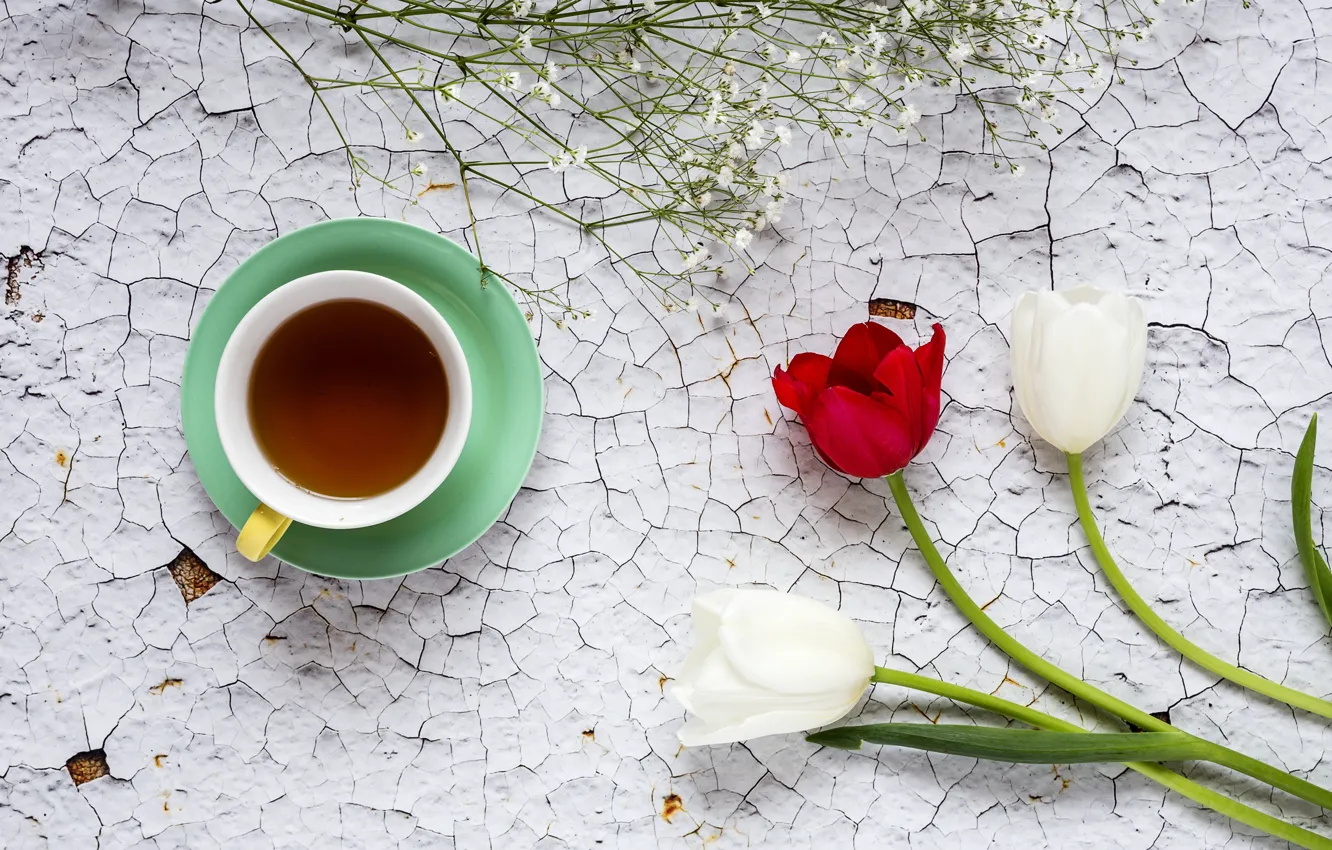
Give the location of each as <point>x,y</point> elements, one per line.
<point>933,720</point>
<point>38,316</point>
<point>436,187</point>
<point>85,767</point>
<point>767,415</point>
<point>661,683</point>
<point>157,759</point>
<point>25,258</point>
<point>192,575</point>
<point>61,457</point>
<point>159,689</point>
<point>889,308</point>
<point>1003,444</point>
<point>590,734</point>
<point>671,806</point>
<point>272,639</point>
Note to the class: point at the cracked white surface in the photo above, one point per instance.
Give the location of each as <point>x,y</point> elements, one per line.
<point>512,698</point>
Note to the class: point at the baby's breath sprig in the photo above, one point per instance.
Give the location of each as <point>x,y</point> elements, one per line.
<point>678,109</point>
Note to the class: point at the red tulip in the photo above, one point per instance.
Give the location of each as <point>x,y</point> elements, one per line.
<point>873,405</point>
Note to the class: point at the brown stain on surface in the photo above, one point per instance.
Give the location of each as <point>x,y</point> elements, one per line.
<point>590,734</point>
<point>85,767</point>
<point>61,457</point>
<point>159,689</point>
<point>157,759</point>
<point>671,806</point>
<point>889,308</point>
<point>933,720</point>
<point>192,575</point>
<point>434,187</point>
<point>661,683</point>
<point>25,258</point>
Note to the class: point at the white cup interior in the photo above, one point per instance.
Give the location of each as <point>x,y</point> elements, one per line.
<point>232,400</point>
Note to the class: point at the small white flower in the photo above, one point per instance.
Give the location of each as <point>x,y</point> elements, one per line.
<point>523,42</point>
<point>650,6</point>
<point>590,313</point>
<point>793,58</point>
<point>737,17</point>
<point>754,137</point>
<point>522,8</point>
<point>762,10</point>
<point>910,115</point>
<point>580,155</point>
<point>842,65</point>
<point>761,100</point>
<point>419,170</point>
<point>561,162</point>
<point>694,259</point>
<point>875,40</point>
<point>551,72</point>
<point>686,156</point>
<point>741,238</point>
<point>1017,170</point>
<point>704,199</point>
<point>856,102</point>
<point>511,81</point>
<point>783,134</point>
<point>767,51</point>
<point>735,150</point>
<point>412,135</point>
<point>713,117</point>
<point>725,177</point>
<point>972,8</point>
<point>542,91</point>
<point>959,51</point>
<point>1049,112</point>
<point>691,305</point>
<point>760,222</point>
<point>452,91</point>
<point>826,37</point>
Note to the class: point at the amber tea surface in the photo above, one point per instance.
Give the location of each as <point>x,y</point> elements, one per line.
<point>348,399</point>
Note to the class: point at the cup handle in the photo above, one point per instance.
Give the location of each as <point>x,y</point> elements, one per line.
<point>261,533</point>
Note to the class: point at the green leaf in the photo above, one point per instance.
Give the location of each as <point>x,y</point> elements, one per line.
<point>1023,746</point>
<point>1301,498</point>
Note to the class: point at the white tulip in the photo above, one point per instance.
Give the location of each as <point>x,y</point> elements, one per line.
<point>767,663</point>
<point>1077,362</point>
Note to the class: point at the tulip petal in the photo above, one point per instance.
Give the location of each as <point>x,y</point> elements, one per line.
<point>860,436</point>
<point>859,353</point>
<point>930,359</point>
<point>789,644</point>
<point>1082,373</point>
<point>698,732</point>
<point>1023,363</point>
<point>901,375</point>
<point>801,381</point>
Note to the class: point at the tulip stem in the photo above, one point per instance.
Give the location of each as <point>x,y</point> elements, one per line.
<point>1072,684</point>
<point>1185,787</point>
<point>1161,628</point>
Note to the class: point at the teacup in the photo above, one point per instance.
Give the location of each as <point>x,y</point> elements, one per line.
<point>282,501</point>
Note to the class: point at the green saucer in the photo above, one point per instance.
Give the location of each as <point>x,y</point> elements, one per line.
<point>506,393</point>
